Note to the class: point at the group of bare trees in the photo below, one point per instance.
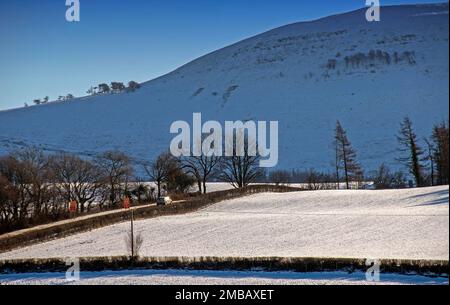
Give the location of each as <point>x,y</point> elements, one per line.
<point>238,167</point>
<point>384,178</point>
<point>36,187</point>
<point>161,170</point>
<point>310,179</point>
<point>179,174</point>
<point>202,168</point>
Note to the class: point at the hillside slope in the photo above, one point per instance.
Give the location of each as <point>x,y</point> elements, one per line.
<point>305,75</point>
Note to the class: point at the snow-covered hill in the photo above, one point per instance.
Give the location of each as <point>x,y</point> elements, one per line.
<point>305,75</point>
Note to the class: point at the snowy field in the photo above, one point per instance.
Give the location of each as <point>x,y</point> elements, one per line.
<point>404,224</point>
<point>185,277</point>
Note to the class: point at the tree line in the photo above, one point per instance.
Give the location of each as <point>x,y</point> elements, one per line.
<point>426,161</point>
<point>428,167</point>
<point>37,188</point>
<point>114,87</point>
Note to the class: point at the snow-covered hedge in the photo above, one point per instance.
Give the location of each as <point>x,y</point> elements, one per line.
<point>297,264</point>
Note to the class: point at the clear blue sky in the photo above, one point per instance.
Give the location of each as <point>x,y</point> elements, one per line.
<point>120,40</point>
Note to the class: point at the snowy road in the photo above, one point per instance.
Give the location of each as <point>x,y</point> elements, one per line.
<point>404,224</point>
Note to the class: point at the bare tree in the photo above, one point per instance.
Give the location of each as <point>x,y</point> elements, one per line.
<point>412,151</point>
<point>314,180</point>
<point>202,168</point>
<point>16,176</point>
<point>160,170</point>
<point>133,242</point>
<point>242,168</point>
<point>279,177</point>
<point>76,179</point>
<point>35,164</point>
<point>116,171</point>
<point>29,177</point>
<point>191,166</point>
<point>8,201</point>
<point>383,178</point>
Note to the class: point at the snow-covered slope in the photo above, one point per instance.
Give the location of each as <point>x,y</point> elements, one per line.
<point>403,224</point>
<point>305,75</point>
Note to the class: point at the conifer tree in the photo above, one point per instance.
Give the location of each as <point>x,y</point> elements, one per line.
<point>346,157</point>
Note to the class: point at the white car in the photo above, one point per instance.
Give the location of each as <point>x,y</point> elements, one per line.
<point>164,201</point>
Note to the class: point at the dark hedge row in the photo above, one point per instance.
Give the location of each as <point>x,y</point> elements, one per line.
<point>422,267</point>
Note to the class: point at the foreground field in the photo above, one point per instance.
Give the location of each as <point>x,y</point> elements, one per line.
<point>186,277</point>
<point>404,224</point>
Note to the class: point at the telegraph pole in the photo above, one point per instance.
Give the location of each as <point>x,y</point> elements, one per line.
<point>132,236</point>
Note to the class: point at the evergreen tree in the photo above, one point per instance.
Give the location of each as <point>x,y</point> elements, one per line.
<point>103,88</point>
<point>117,86</point>
<point>346,157</point>
<point>132,85</point>
<point>440,138</point>
<point>430,158</point>
<point>412,151</point>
